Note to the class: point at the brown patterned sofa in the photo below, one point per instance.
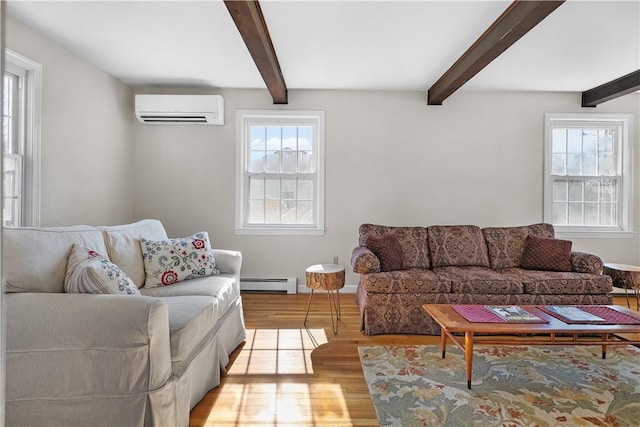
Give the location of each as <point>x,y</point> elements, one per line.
<point>463,264</point>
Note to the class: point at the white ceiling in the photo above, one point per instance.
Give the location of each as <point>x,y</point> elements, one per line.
<point>404,45</point>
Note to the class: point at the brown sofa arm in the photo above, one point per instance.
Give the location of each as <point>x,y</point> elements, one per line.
<point>364,261</point>
<point>582,262</point>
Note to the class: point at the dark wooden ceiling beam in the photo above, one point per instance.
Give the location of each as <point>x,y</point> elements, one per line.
<point>520,17</point>
<point>611,90</point>
<point>248,17</point>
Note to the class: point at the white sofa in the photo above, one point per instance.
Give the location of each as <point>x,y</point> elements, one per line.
<point>111,360</point>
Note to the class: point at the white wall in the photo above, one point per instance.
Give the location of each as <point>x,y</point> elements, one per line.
<point>86,135</point>
<point>390,159</point>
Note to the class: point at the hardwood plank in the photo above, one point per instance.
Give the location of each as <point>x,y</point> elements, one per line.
<point>288,375</point>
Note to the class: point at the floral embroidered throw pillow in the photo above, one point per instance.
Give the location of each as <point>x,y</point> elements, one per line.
<point>92,273</point>
<point>169,261</point>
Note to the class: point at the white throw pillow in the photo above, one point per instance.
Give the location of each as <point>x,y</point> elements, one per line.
<point>169,261</point>
<point>91,273</point>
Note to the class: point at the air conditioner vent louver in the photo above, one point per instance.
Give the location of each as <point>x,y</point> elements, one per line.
<point>180,109</point>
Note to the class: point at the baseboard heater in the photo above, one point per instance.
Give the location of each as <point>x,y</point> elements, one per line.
<point>272,285</point>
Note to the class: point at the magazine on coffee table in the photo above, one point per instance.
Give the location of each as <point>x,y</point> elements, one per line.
<point>574,314</point>
<point>512,313</point>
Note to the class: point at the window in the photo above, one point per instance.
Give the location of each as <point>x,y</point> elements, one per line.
<point>280,183</point>
<point>588,172</point>
<point>20,141</point>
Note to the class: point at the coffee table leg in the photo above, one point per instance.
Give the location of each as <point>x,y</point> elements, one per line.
<point>443,341</point>
<point>605,337</point>
<point>468,355</point>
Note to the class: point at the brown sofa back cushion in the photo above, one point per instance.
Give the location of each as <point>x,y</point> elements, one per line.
<point>544,253</point>
<point>457,245</point>
<point>506,244</point>
<point>413,241</point>
<point>388,250</point>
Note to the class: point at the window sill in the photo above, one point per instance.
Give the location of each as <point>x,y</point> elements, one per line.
<point>573,233</point>
<point>279,231</point>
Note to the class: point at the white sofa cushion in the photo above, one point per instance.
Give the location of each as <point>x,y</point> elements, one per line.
<point>191,318</point>
<point>123,245</point>
<point>223,287</point>
<point>92,273</point>
<point>48,248</point>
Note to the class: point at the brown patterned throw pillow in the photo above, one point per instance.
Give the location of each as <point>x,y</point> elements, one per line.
<point>545,253</point>
<point>388,250</point>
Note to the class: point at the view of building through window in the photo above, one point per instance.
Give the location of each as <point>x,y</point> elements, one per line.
<point>280,174</point>
<point>588,172</point>
<point>585,176</point>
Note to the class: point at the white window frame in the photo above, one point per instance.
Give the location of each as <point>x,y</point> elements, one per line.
<point>625,159</point>
<point>30,128</point>
<point>246,118</point>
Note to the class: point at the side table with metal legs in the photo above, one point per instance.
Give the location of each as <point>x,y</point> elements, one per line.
<point>627,277</point>
<point>330,278</point>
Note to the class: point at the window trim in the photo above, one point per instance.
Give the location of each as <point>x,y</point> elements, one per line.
<point>625,228</point>
<point>245,117</point>
<point>32,159</point>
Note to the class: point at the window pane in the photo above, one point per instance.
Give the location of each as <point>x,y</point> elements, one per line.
<point>257,137</point>
<point>273,209</point>
<point>608,190</point>
<point>256,188</point>
<point>573,164</point>
<point>605,140</point>
<point>289,161</point>
<point>591,190</point>
<point>273,162</point>
<point>273,138</point>
<point>589,166</point>
<point>560,213</point>
<point>606,165</point>
<point>589,139</point>
<point>288,189</point>
<point>256,212</point>
<point>305,138</point>
<point>559,140</point>
<point>558,164</point>
<point>575,191</point>
<point>574,140</point>
<point>305,189</point>
<point>575,213</point>
<point>591,216</point>
<point>257,161</point>
<point>273,189</point>
<point>305,213</point>
<point>289,138</point>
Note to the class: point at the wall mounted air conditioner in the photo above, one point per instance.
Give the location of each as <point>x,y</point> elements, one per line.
<point>180,109</point>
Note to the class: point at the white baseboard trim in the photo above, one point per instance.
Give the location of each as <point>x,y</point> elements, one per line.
<point>348,289</point>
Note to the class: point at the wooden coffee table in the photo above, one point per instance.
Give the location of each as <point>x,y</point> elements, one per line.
<point>535,333</point>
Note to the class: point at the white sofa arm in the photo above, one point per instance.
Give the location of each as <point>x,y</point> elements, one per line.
<point>78,345</point>
<point>228,262</point>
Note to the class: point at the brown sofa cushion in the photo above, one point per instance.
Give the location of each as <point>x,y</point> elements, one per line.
<point>544,253</point>
<point>457,245</point>
<point>413,241</point>
<point>506,244</point>
<point>388,250</point>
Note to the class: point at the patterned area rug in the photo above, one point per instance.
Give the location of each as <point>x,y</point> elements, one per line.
<point>511,386</point>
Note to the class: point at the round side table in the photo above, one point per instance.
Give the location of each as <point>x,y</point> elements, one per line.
<point>627,277</point>
<point>326,277</point>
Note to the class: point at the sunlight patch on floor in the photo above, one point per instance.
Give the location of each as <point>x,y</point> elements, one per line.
<point>278,351</point>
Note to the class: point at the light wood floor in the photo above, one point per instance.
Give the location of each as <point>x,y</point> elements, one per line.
<point>289,375</point>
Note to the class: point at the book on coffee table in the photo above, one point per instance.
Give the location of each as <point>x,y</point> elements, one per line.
<point>574,314</point>
<point>512,313</point>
